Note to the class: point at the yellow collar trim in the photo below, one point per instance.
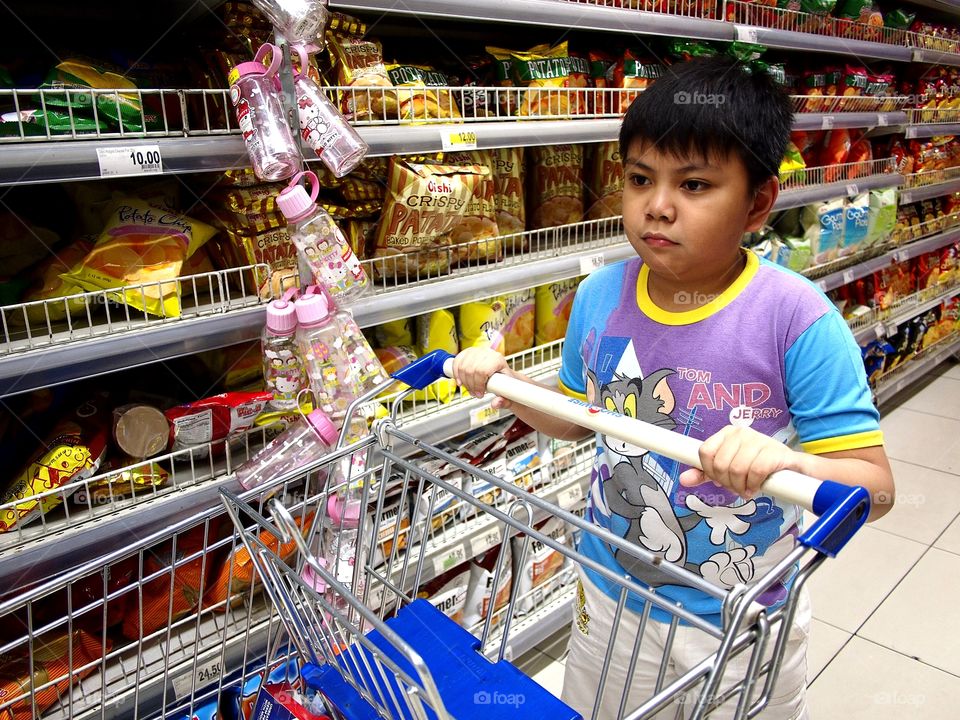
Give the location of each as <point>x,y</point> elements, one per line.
<point>688,317</point>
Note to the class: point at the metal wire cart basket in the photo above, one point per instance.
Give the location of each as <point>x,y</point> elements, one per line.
<point>371,648</point>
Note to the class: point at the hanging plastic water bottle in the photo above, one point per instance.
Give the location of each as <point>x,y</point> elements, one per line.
<point>343,550</point>
<point>322,126</point>
<point>273,152</point>
<point>298,445</point>
<point>282,365</point>
<point>296,20</point>
<point>325,255</point>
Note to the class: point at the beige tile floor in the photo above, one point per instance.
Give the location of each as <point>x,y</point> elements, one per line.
<point>885,639</point>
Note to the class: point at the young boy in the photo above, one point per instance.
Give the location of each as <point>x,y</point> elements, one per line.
<point>699,336</point>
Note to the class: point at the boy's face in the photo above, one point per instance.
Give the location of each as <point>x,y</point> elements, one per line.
<point>685,217</point>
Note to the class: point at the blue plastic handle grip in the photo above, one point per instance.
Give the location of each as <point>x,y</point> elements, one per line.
<point>843,510</point>
<point>424,371</point>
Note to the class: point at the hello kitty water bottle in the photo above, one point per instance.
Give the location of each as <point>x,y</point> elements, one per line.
<point>273,152</point>
<point>283,368</point>
<point>322,126</point>
<point>325,255</point>
<point>296,20</point>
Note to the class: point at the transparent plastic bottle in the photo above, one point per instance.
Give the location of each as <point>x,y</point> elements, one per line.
<point>298,445</point>
<point>343,549</point>
<point>296,20</point>
<point>273,152</point>
<point>282,366</point>
<point>323,127</point>
<point>321,246</point>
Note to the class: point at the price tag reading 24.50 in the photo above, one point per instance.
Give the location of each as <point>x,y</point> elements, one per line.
<point>130,160</point>
<point>452,140</point>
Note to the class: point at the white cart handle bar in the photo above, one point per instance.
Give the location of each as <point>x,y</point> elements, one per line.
<point>842,509</point>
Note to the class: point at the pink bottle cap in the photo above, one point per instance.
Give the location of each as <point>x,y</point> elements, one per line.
<point>250,68</point>
<point>345,512</point>
<point>323,427</point>
<point>294,202</point>
<point>312,309</point>
<point>282,315</point>
<point>311,578</point>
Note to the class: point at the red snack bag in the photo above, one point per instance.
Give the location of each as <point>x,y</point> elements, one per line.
<point>860,152</point>
<point>601,72</point>
<point>214,418</point>
<point>834,153</point>
<point>634,72</point>
<point>813,84</point>
<point>808,143</point>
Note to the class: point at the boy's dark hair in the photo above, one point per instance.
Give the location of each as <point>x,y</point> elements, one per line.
<point>714,106</point>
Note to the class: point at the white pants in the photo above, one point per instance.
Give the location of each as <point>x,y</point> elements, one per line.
<point>590,634</point>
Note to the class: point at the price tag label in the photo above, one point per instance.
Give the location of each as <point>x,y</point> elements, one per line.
<point>746,34</point>
<point>591,263</point>
<point>901,256</point>
<point>458,140</point>
<point>853,189</point>
<point>882,120</point>
<point>568,498</point>
<point>906,198</point>
<point>486,541</point>
<point>205,674</point>
<point>129,161</point>
<point>847,277</point>
<point>822,284</point>
<point>879,330</point>
<point>451,559</point>
<point>483,416</point>
<point>827,122</point>
<point>892,329</point>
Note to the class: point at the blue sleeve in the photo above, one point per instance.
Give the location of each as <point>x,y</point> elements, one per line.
<point>827,391</point>
<point>573,376</point>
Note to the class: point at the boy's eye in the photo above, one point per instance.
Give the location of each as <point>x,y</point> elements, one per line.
<point>639,180</point>
<point>694,185</point>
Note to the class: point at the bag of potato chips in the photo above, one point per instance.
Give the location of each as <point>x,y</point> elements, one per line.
<point>424,103</point>
<point>274,248</point>
<point>48,284</point>
<point>634,73</point>
<point>553,68</point>
<point>554,302</point>
<point>424,204</point>
<point>360,65</point>
<point>605,182</point>
<point>556,185</point>
<point>508,199</point>
<point>504,323</point>
<point>478,235</point>
<point>142,246</point>
<point>438,331</point>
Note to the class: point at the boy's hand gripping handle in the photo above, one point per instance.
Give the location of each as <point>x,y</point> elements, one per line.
<point>842,508</point>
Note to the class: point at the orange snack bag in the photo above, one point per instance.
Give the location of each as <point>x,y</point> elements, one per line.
<point>540,70</point>
<point>509,173</point>
<point>52,656</point>
<point>556,185</point>
<point>634,73</point>
<point>478,234</point>
<point>141,245</point>
<point>605,182</point>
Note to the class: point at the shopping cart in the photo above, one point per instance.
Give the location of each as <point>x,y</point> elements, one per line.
<point>374,650</point>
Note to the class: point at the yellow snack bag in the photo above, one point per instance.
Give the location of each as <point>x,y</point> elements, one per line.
<point>605,182</point>
<point>425,203</point>
<point>273,247</point>
<point>360,65</point>
<point>553,68</point>
<point>141,245</point>
<point>438,331</point>
<point>554,302</point>
<point>556,185</point>
<point>478,233</point>
<point>508,179</point>
<point>424,103</point>
<point>395,333</point>
<point>504,323</point>
<point>49,285</point>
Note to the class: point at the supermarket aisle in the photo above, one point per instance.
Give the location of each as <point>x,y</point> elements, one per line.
<point>885,632</point>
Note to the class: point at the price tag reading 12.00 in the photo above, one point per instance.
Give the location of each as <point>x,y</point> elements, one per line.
<point>130,160</point>
<point>452,140</point>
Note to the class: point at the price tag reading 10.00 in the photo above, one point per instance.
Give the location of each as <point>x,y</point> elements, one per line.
<point>130,160</point>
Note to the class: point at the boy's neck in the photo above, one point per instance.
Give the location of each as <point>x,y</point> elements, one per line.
<point>664,291</point>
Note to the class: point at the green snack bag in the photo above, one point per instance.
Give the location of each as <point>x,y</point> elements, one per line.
<point>883,215</point>
<point>818,7</point>
<point>36,122</point>
<point>75,75</point>
<point>899,19</point>
<point>689,49</point>
<point>745,52</point>
<point>855,9</point>
<point>792,167</point>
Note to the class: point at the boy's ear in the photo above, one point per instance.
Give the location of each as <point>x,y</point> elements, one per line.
<point>763,201</point>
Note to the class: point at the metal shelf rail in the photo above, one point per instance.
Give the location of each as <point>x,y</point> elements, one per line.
<point>927,185</point>
<point>888,385</point>
<point>884,323</point>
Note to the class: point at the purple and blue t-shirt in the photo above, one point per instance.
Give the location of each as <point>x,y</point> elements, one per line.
<point>771,352</point>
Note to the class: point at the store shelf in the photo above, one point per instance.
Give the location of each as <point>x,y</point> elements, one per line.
<point>825,121</point>
<point>926,192</point>
<point>68,159</point>
<point>935,57</point>
<point>877,325</point>
<point>947,6</point>
<point>929,130</point>
<point>817,193</point>
<point>551,13</point>
<point>900,254</point>
<point>903,376</point>
<point>792,40</point>
<point>535,628</point>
